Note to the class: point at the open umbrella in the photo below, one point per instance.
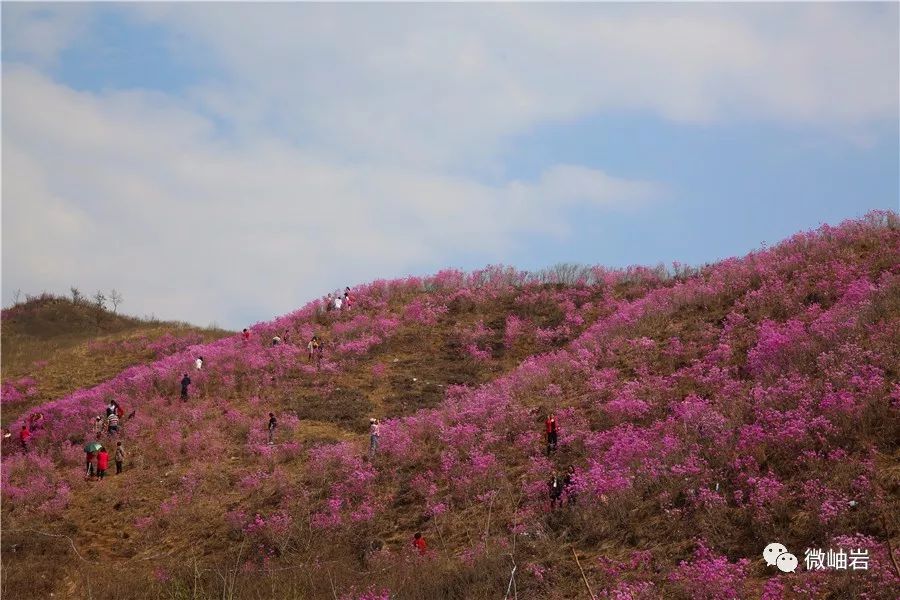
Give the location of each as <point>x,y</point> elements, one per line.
<point>92,446</point>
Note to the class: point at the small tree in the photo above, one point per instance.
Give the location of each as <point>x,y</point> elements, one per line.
<point>100,300</point>
<point>116,298</point>
<point>99,306</point>
<point>77,298</point>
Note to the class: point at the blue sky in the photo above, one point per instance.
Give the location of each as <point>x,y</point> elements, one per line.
<point>227,163</point>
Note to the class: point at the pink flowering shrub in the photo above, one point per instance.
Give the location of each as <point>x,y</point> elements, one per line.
<point>710,575</point>
<point>725,401</point>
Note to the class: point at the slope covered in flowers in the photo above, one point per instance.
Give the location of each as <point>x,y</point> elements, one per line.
<point>52,346</point>
<point>705,414</point>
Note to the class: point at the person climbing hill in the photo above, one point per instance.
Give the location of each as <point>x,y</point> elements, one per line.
<point>185,382</point>
<point>120,457</point>
<point>102,462</point>
<point>199,363</point>
<point>552,433</point>
<point>311,348</point>
<point>320,349</point>
<point>555,490</point>
<point>273,423</point>
<point>112,424</point>
<point>24,437</point>
<point>419,543</point>
<point>245,334</point>
<point>348,299</point>
<point>568,485</point>
<point>374,433</point>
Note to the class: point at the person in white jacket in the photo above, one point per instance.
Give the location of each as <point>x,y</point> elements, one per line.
<point>199,362</point>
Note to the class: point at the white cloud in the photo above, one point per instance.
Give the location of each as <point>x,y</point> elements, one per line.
<point>39,32</point>
<point>123,190</point>
<point>357,140</point>
<point>444,85</point>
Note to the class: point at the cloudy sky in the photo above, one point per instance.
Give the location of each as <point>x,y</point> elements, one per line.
<point>228,162</point>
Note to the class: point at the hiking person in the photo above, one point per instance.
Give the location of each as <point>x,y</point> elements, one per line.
<point>185,382</point>
<point>348,300</point>
<point>555,486</point>
<point>199,363</point>
<point>35,421</point>
<point>552,432</point>
<point>374,433</point>
<point>338,303</point>
<point>311,348</point>
<point>89,458</point>
<point>419,543</point>
<point>120,412</point>
<point>329,302</point>
<point>273,423</point>
<point>120,457</point>
<point>102,462</point>
<point>320,349</point>
<point>245,334</point>
<point>568,485</point>
<point>276,340</point>
<point>98,425</point>
<point>24,436</point>
<point>112,424</point>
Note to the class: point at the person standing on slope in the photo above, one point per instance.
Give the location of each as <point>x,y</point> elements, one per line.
<point>374,433</point>
<point>569,485</point>
<point>24,437</point>
<point>102,462</point>
<point>552,433</point>
<point>311,348</point>
<point>185,382</point>
<point>112,423</point>
<point>199,363</point>
<point>555,486</point>
<point>419,543</point>
<point>120,457</point>
<point>320,348</point>
<point>348,300</point>
<point>245,334</point>
<point>338,303</point>
<point>273,423</point>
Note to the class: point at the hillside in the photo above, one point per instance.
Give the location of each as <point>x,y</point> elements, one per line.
<point>705,414</point>
<point>52,346</point>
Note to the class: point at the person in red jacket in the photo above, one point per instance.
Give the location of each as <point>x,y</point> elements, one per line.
<point>246,335</point>
<point>102,462</point>
<point>551,433</point>
<point>419,543</point>
<point>24,436</point>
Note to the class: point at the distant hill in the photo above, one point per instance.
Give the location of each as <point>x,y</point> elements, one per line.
<point>52,346</point>
<point>704,413</point>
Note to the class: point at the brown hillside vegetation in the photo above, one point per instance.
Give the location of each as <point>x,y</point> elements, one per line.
<point>704,414</point>
<point>64,346</point>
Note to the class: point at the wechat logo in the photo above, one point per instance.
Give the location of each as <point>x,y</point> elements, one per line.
<point>778,555</point>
